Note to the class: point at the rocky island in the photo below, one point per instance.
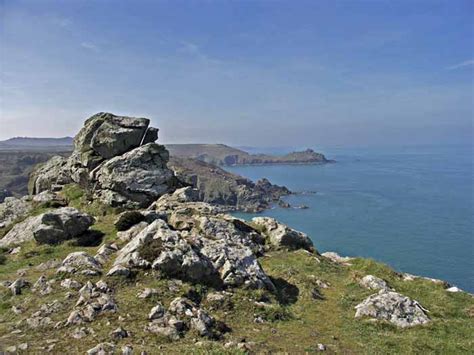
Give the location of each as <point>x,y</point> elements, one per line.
<point>120,250</point>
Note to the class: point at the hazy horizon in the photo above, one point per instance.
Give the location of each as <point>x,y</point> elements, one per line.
<point>280,73</point>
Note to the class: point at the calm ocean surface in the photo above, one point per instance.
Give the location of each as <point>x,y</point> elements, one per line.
<point>411,208</point>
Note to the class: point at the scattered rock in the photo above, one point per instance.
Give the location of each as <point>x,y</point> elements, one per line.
<point>148,293</point>
<point>71,284</point>
<point>102,349</point>
<point>393,307</point>
<point>454,289</point>
<point>335,257</point>
<point>13,209</point>
<point>374,283</point>
<point>81,262</point>
<point>119,270</point>
<point>18,285</point>
<point>156,312</point>
<point>119,333</point>
<point>282,236</point>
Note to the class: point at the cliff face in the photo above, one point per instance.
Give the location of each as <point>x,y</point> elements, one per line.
<point>220,154</point>
<point>218,186</point>
<point>80,273</point>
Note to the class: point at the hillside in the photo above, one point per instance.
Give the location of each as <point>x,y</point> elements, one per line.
<point>111,255</point>
<point>221,154</point>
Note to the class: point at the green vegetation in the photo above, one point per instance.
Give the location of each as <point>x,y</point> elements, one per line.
<point>295,318</point>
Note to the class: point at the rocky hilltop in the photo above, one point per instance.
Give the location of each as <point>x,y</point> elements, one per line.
<point>111,255</point>
<point>221,154</point>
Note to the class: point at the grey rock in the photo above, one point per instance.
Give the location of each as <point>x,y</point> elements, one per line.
<point>127,219</point>
<point>17,286</point>
<point>393,307</point>
<point>119,333</point>
<point>13,209</point>
<point>374,283</point>
<point>119,270</point>
<point>148,293</point>
<point>282,236</point>
<point>80,261</point>
<point>335,257</point>
<point>157,312</point>
<point>49,175</point>
<point>102,349</point>
<point>21,232</point>
<point>127,350</point>
<point>151,135</point>
<point>61,224</point>
<point>129,234</point>
<point>105,252</point>
<point>71,284</point>
<point>134,179</point>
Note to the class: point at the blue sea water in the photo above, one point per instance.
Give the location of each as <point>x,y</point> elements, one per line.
<point>410,207</point>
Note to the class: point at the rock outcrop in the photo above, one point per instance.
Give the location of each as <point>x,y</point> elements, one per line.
<point>282,236</point>
<point>49,228</point>
<point>115,159</point>
<point>393,307</point>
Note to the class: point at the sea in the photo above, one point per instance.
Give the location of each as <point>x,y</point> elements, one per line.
<point>409,207</point>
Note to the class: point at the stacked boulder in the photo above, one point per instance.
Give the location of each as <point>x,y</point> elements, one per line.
<point>115,158</point>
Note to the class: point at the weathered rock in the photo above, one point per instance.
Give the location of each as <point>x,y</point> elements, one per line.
<point>119,270</point>
<point>43,286</point>
<point>80,262</point>
<point>18,285</point>
<point>151,135</point>
<point>105,252</point>
<point>335,257</point>
<point>282,236</point>
<point>50,176</point>
<point>13,209</point>
<point>374,283</point>
<point>454,289</point>
<point>21,232</point>
<point>102,349</point>
<point>134,179</point>
<point>166,251</point>
<point>393,307</point>
<point>157,312</point>
<point>119,333</point>
<point>61,224</point>
<point>71,284</point>
<point>129,234</point>
<point>148,292</point>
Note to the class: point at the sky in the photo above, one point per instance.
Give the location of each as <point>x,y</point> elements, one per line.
<point>254,73</point>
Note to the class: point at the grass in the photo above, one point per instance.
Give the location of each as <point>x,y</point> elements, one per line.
<point>294,321</point>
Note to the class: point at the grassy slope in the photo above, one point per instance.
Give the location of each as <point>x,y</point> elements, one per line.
<point>296,322</point>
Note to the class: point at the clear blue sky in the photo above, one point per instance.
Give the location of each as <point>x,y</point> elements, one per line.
<point>268,73</point>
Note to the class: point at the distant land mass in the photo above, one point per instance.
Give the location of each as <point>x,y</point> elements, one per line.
<point>221,154</point>
<point>217,154</point>
<point>26,143</point>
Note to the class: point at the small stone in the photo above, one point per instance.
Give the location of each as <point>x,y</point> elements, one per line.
<point>127,350</point>
<point>454,289</point>
<point>321,347</point>
<point>119,270</point>
<point>156,312</point>
<point>148,292</point>
<point>119,333</point>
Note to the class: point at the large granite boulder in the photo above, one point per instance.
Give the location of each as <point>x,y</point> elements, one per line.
<point>393,307</point>
<point>49,228</point>
<point>61,224</point>
<point>114,158</point>
<point>49,176</point>
<point>21,232</point>
<point>134,179</point>
<point>282,236</point>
